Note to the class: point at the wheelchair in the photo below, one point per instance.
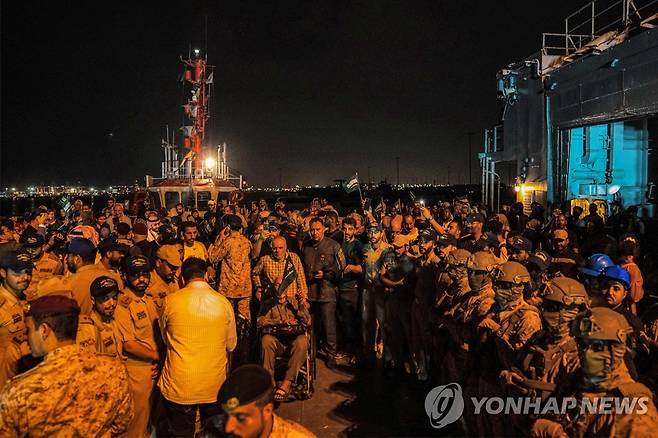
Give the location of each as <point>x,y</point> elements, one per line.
<point>303,384</point>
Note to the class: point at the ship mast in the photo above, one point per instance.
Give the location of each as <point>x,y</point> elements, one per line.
<point>196,110</point>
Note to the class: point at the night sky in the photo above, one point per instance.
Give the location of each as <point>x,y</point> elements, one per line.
<point>318,88</point>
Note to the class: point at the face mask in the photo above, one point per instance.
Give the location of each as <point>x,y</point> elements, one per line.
<point>457,274</point>
<point>477,280</point>
<point>596,364</point>
<point>505,296</point>
<point>552,320</point>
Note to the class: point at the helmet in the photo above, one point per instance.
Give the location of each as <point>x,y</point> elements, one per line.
<point>596,263</point>
<point>617,273</point>
<point>603,324</point>
<point>513,272</point>
<point>481,261</point>
<point>565,290</point>
<point>458,257</point>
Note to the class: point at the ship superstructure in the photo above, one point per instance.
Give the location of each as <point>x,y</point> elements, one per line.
<point>197,172</point>
<point>579,122</point>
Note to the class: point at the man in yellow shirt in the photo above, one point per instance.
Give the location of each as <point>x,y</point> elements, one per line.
<point>15,273</point>
<point>81,260</point>
<point>198,328</point>
<point>98,331</point>
<point>191,247</point>
<point>136,316</point>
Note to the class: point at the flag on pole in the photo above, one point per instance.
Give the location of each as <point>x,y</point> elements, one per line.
<point>352,184</point>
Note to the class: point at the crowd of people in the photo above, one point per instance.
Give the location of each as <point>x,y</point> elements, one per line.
<point>148,314</point>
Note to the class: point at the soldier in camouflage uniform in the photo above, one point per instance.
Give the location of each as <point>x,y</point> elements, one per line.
<point>601,334</point>
<point>503,334</point>
<point>73,392</point>
<point>454,356</point>
<point>16,272</point>
<point>551,355</point>
<point>98,331</point>
<point>468,314</point>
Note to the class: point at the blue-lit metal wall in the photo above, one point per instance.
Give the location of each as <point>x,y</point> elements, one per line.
<point>608,161</point>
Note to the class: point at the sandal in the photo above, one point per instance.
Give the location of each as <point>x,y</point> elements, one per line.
<point>280,395</point>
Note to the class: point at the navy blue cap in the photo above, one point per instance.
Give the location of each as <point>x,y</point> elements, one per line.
<point>374,226</point>
<point>427,235</point>
<point>446,239</point>
<point>137,265</point>
<point>17,261</point>
<point>111,244</point>
<point>81,246</point>
<point>475,217</point>
<point>521,243</point>
<point>32,240</point>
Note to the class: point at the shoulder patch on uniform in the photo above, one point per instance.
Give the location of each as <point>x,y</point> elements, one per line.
<point>85,319</point>
<point>125,300</point>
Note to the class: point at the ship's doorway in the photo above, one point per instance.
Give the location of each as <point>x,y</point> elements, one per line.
<point>605,162</point>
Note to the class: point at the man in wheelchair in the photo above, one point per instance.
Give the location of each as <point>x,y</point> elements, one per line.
<point>283,323</point>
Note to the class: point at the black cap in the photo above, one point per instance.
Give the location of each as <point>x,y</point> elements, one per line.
<point>111,244</point>
<point>521,243</point>
<point>137,265</point>
<point>32,240</point>
<point>103,286</point>
<point>446,239</point>
<point>475,217</point>
<point>243,386</point>
<point>427,235</point>
<point>17,261</point>
<point>541,260</point>
<point>123,228</point>
<point>486,240</point>
<point>81,246</point>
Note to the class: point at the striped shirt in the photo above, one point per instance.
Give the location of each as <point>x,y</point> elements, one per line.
<point>273,269</point>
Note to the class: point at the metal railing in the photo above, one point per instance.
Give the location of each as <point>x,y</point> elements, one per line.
<point>593,20</point>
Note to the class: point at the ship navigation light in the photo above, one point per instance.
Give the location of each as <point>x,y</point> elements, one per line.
<point>209,163</point>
